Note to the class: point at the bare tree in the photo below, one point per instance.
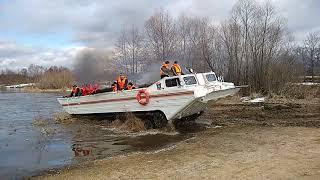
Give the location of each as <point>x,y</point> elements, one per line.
<point>312,51</point>
<point>183,44</point>
<point>121,51</point>
<point>135,47</point>
<point>129,47</point>
<point>161,33</point>
<point>248,47</point>
<point>252,37</point>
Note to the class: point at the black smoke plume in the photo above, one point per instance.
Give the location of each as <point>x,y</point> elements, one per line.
<point>94,65</point>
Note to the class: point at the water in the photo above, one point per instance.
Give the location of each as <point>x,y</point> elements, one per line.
<point>26,149</point>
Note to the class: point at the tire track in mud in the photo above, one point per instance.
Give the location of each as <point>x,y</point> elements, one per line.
<point>263,114</point>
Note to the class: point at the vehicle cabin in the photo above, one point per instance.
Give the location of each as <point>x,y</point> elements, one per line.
<point>187,81</point>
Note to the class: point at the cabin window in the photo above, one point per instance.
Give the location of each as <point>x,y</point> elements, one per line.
<point>190,80</point>
<point>173,82</point>
<point>211,77</point>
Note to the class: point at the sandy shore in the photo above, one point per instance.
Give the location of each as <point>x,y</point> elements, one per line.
<point>256,153</point>
<point>242,141</point>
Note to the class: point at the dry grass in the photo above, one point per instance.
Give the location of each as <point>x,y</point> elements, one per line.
<point>64,118</point>
<point>297,91</point>
<point>48,131</point>
<point>38,90</point>
<point>44,125</point>
<point>133,124</point>
<point>40,122</point>
<point>56,80</point>
<point>129,123</point>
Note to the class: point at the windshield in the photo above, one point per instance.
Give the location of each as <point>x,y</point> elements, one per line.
<point>211,77</point>
<point>173,82</point>
<point>190,80</point>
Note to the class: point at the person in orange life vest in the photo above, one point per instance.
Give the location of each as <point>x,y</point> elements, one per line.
<point>130,86</point>
<point>176,69</point>
<point>95,88</point>
<point>91,89</point>
<point>75,91</point>
<point>87,89</point>
<point>84,90</point>
<point>114,86</point>
<point>165,70</point>
<point>122,82</point>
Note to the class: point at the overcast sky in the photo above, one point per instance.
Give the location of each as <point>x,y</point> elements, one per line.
<point>51,32</point>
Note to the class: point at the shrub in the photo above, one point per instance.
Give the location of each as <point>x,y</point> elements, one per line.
<point>56,79</point>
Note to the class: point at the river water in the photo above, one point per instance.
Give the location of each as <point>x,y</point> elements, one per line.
<point>27,150</point>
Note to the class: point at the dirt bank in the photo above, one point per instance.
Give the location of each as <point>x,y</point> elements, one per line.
<point>247,141</point>
<point>273,112</point>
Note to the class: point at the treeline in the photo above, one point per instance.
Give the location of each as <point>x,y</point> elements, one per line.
<point>253,46</point>
<point>45,78</point>
<point>8,77</point>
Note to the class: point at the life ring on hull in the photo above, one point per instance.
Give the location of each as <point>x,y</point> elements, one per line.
<point>143,97</point>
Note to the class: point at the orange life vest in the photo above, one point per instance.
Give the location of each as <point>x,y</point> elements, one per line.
<point>121,83</point>
<point>84,91</point>
<point>163,65</point>
<point>114,88</point>
<point>129,87</point>
<point>177,68</point>
<point>87,89</point>
<point>91,89</point>
<point>75,90</point>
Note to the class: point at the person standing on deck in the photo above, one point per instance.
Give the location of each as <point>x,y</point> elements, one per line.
<point>176,69</point>
<point>165,70</point>
<point>122,82</point>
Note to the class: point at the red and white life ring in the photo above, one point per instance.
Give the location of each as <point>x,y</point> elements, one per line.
<point>143,97</point>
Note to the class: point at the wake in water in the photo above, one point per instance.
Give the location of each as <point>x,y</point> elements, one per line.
<point>131,125</point>
<point>127,124</point>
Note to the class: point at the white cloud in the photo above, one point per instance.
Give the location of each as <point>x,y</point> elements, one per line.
<point>17,57</point>
<point>97,23</point>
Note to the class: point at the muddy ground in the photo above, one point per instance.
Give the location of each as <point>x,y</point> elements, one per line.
<point>270,140</point>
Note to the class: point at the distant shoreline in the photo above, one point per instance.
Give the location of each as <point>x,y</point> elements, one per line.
<point>36,90</point>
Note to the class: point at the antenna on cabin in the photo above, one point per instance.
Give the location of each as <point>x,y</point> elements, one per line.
<point>190,70</point>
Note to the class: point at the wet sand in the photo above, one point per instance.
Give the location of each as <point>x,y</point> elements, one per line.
<point>247,141</point>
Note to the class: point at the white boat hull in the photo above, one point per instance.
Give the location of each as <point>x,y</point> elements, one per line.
<point>175,102</point>
<point>126,102</point>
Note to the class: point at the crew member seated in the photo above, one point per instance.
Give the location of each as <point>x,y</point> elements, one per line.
<point>84,90</point>
<point>114,86</point>
<point>75,91</point>
<point>130,86</point>
<point>176,69</point>
<point>122,82</point>
<point>165,70</point>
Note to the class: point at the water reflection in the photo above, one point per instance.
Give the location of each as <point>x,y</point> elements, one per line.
<point>78,151</point>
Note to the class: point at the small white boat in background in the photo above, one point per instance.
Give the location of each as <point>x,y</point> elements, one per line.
<point>17,86</point>
<point>174,97</point>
